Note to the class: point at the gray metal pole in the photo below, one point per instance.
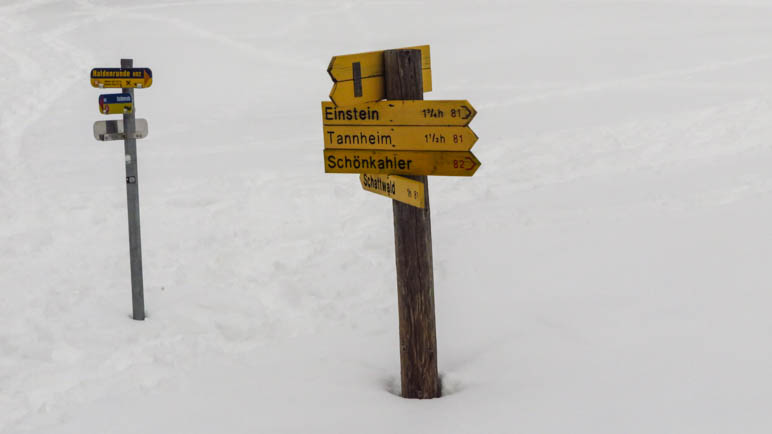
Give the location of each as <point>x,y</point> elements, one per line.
<point>132,196</point>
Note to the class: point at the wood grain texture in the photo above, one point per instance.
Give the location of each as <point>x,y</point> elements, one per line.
<point>413,250</point>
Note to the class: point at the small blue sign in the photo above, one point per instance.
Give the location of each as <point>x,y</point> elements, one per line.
<point>116,103</point>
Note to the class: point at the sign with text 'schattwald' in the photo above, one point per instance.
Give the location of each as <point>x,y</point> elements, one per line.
<point>399,188</point>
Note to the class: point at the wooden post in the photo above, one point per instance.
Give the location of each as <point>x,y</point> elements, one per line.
<point>132,199</point>
<point>413,249</point>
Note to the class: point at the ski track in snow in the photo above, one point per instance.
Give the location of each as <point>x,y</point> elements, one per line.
<point>40,83</point>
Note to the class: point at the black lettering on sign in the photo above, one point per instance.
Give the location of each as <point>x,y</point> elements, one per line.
<point>349,114</point>
<point>357,72</point>
<point>360,139</point>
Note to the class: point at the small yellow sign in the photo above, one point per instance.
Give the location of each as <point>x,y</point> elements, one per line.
<point>342,68</point>
<point>396,112</point>
<point>359,77</point>
<point>121,77</point>
<point>409,138</point>
<point>401,189</point>
<point>400,162</point>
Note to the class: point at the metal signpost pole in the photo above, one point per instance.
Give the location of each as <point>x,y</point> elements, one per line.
<point>132,196</point>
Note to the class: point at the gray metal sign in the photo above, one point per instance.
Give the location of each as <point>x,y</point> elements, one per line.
<point>113,130</point>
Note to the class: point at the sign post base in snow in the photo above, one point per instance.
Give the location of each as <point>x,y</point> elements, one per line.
<point>413,250</point>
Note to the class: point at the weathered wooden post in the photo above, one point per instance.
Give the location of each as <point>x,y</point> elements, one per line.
<point>413,249</point>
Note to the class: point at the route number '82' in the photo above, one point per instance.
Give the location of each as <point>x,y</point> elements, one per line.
<point>459,164</point>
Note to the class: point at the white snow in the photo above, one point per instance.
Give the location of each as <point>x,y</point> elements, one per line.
<point>607,270</point>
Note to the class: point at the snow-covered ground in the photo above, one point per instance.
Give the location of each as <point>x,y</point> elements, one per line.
<point>607,270</point>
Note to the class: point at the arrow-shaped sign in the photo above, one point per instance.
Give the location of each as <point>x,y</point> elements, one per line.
<point>395,112</point>
<point>408,138</point>
<point>122,77</point>
<point>342,68</point>
<point>400,162</point>
<point>344,93</point>
<point>359,77</point>
<point>404,190</point>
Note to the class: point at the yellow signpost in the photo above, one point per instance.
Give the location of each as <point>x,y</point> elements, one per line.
<point>395,112</point>
<point>404,135</point>
<point>459,163</point>
<point>409,138</point>
<point>359,77</point>
<point>121,77</point>
<point>401,189</point>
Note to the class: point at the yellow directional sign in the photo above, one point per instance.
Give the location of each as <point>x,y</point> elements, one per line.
<point>121,77</point>
<point>343,67</point>
<point>344,93</point>
<point>359,77</point>
<point>409,138</point>
<point>400,162</point>
<point>404,190</point>
<point>396,112</point>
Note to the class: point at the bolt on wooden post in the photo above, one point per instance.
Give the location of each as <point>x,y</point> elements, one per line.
<point>413,251</point>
